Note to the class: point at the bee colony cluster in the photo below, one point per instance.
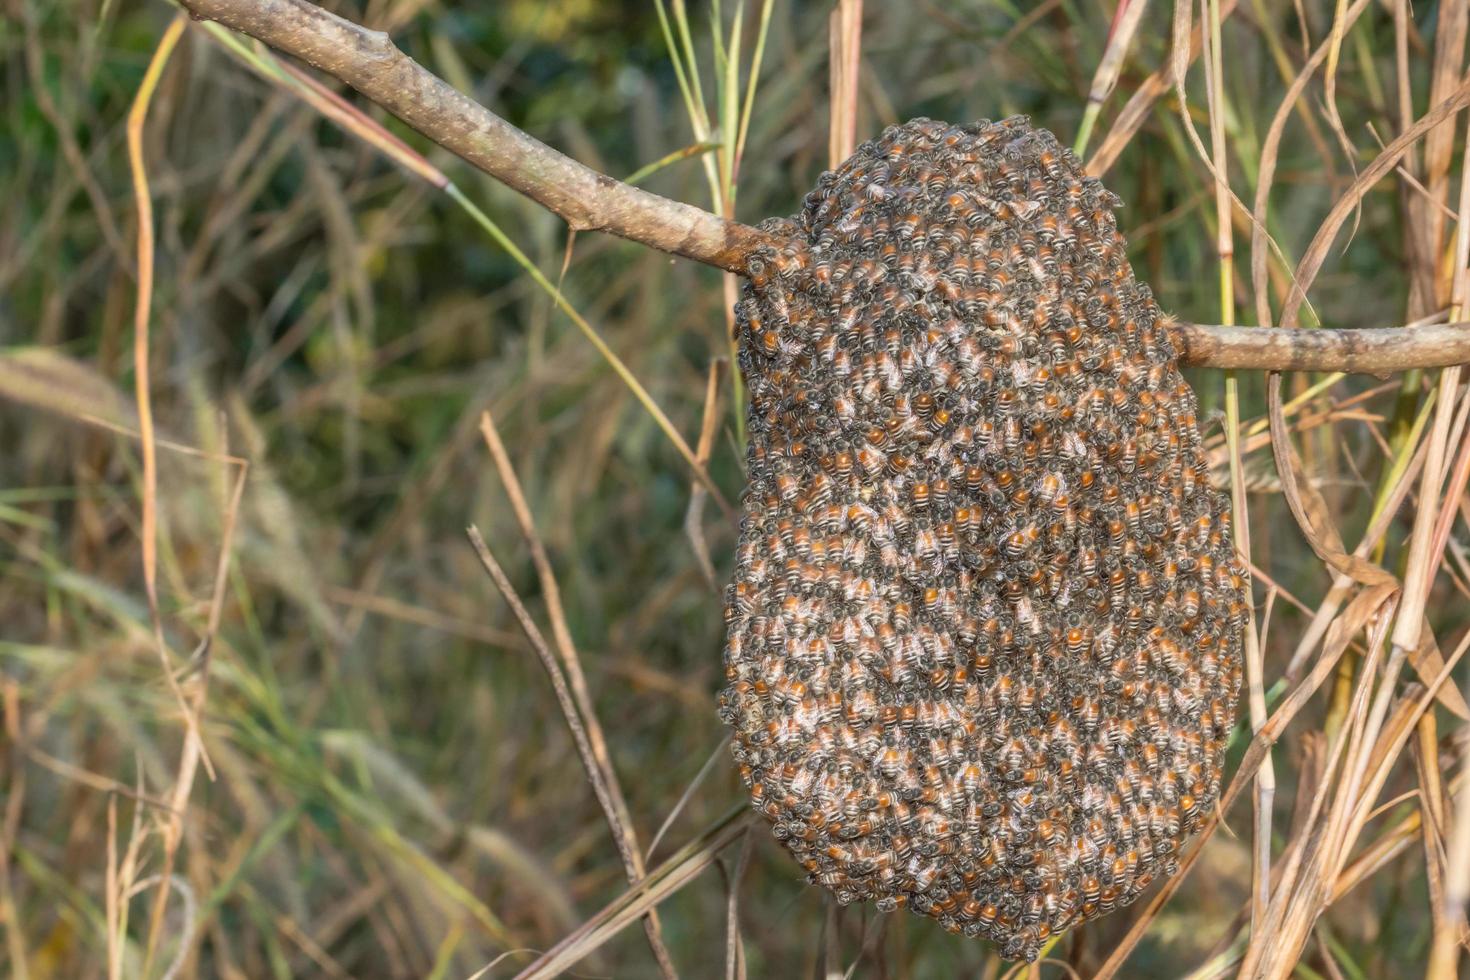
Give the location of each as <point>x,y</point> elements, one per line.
<point>985,625</point>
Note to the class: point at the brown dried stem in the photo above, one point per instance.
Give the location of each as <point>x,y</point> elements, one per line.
<point>618,816</point>
<point>368,61</point>
<point>564,699</point>
<point>846,30</point>
<point>667,879</point>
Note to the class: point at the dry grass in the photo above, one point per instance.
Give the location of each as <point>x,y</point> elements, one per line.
<point>263,715</point>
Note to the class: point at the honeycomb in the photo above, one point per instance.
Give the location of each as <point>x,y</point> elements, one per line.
<point>984,631</point>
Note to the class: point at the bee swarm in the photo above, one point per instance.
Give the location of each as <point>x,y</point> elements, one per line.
<point>985,625</point>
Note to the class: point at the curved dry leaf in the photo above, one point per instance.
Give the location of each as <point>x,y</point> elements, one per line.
<point>1428,662</point>
<point>1307,505</point>
<point>1135,112</point>
<point>1266,172</point>
<point>1316,253</point>
<point>692,525</point>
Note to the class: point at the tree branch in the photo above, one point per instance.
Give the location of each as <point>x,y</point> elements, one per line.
<point>1376,350</point>
<point>369,62</point>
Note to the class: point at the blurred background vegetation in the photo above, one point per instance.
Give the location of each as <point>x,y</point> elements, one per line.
<point>389,787</point>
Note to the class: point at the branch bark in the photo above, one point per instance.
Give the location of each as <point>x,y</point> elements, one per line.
<point>1375,350</point>
<point>369,62</point>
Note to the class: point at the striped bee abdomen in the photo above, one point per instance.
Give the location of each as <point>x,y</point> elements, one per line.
<point>985,625</point>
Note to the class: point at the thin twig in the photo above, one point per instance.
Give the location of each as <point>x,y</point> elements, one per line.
<point>568,706</point>
<point>662,882</point>
<point>619,819</point>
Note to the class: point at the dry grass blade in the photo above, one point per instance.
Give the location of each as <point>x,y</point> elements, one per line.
<point>1326,618</point>
<point>694,516</point>
<point>122,875</point>
<point>1284,925</point>
<point>1422,560</point>
<point>845,34</point>
<point>142,320</point>
<point>687,795</point>
<point>1449,916</point>
<point>109,902</point>
<point>1213,160</point>
<point>337,109</point>
<point>185,937</point>
<point>1427,660</point>
<point>620,820</point>
<point>734,943</point>
<point>45,378</point>
<point>1126,19</point>
<point>1307,505</point>
<point>408,613</point>
<point>1446,74</point>
<point>1459,476</point>
<point>662,882</point>
<point>1382,164</point>
<point>385,795</point>
<point>1135,113</point>
<point>1212,48</point>
<point>143,199</point>
<point>329,104</point>
<point>1266,171</point>
<point>1450,921</point>
<point>1432,822</point>
<point>1450,930</point>
<point>1371,739</point>
<point>829,943</point>
<point>613,360</point>
<point>600,784</point>
<point>551,593</point>
<point>355,121</point>
<point>1339,29</point>
<point>15,942</point>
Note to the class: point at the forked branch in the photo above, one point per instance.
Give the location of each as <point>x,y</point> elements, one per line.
<point>369,62</point>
